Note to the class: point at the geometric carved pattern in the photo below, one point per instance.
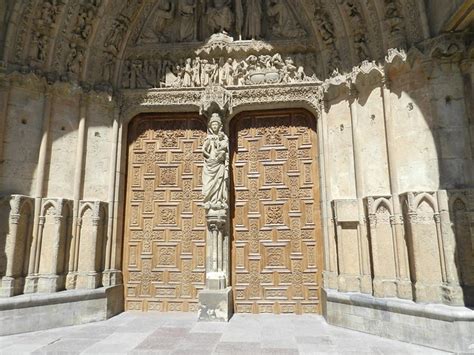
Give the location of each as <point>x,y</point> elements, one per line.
<point>277,262</point>
<point>164,266</point>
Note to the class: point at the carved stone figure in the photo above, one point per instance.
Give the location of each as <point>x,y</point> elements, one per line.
<point>284,26</point>
<point>197,72</point>
<point>188,73</point>
<point>188,25</point>
<point>84,24</point>
<point>116,35</point>
<point>164,15</point>
<point>74,59</point>
<point>253,19</point>
<point>215,174</point>
<point>220,17</point>
<point>41,45</point>
<point>392,17</point>
<point>108,68</point>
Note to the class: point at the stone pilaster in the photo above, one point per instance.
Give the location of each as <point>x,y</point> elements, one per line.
<point>16,219</point>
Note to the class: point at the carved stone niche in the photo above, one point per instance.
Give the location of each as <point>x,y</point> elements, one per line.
<point>430,248</point>
<point>90,246</point>
<point>53,247</point>
<point>388,250</point>
<point>346,218</point>
<point>16,225</point>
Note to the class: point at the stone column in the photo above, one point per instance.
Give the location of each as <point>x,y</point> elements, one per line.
<point>32,278</point>
<point>17,241</point>
<point>78,182</point>
<point>365,272</point>
<point>404,286</point>
<point>330,251</point>
<point>4,99</point>
<point>111,275</point>
<point>215,301</point>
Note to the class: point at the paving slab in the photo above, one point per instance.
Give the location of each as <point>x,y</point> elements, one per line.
<point>180,333</point>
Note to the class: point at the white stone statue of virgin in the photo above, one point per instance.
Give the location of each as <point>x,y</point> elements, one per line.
<point>215,174</point>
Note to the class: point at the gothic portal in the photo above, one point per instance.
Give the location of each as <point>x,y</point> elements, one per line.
<point>275,234</point>
<point>251,156</point>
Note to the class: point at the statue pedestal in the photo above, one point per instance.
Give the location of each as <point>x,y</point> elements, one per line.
<point>215,305</point>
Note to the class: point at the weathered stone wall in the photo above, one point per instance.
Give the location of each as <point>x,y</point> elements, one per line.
<point>56,160</point>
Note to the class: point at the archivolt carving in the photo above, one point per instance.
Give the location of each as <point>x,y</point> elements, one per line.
<point>55,37</point>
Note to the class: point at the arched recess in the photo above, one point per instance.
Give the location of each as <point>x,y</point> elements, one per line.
<point>92,245</point>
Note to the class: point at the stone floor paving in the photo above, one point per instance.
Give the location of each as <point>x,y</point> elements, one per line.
<point>179,333</point>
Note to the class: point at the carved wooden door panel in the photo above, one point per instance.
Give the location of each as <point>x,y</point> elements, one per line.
<point>164,258</point>
<point>276,251</point>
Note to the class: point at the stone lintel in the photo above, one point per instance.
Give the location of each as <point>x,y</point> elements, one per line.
<point>215,305</point>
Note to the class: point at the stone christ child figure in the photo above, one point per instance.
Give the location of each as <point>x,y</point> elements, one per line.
<point>215,174</point>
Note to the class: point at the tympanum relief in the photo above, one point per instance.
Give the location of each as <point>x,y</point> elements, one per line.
<point>195,20</point>
<point>199,71</point>
<point>199,43</point>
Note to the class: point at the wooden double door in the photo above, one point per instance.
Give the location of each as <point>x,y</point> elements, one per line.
<point>275,220</point>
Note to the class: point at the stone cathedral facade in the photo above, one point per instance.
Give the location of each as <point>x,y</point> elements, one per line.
<point>239,156</point>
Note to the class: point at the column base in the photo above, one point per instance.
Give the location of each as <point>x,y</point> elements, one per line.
<point>71,281</point>
<point>11,286</point>
<point>385,287</point>
<point>216,281</point>
<point>111,277</point>
<point>348,283</point>
<point>215,305</point>
<point>88,280</point>
<point>31,284</point>
<point>50,283</point>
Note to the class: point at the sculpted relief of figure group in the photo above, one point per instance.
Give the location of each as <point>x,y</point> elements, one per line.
<point>198,72</point>
<point>193,20</point>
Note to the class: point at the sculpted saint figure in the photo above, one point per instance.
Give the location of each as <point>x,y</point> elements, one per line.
<point>215,173</point>
<point>285,26</point>
<point>165,13</point>
<point>253,18</point>
<point>220,17</point>
<point>187,28</point>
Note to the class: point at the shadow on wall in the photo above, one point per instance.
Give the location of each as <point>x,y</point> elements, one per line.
<point>413,169</point>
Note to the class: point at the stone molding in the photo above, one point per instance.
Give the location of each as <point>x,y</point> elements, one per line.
<point>136,101</point>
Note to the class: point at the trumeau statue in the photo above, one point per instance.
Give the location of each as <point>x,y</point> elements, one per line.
<point>215,174</point>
